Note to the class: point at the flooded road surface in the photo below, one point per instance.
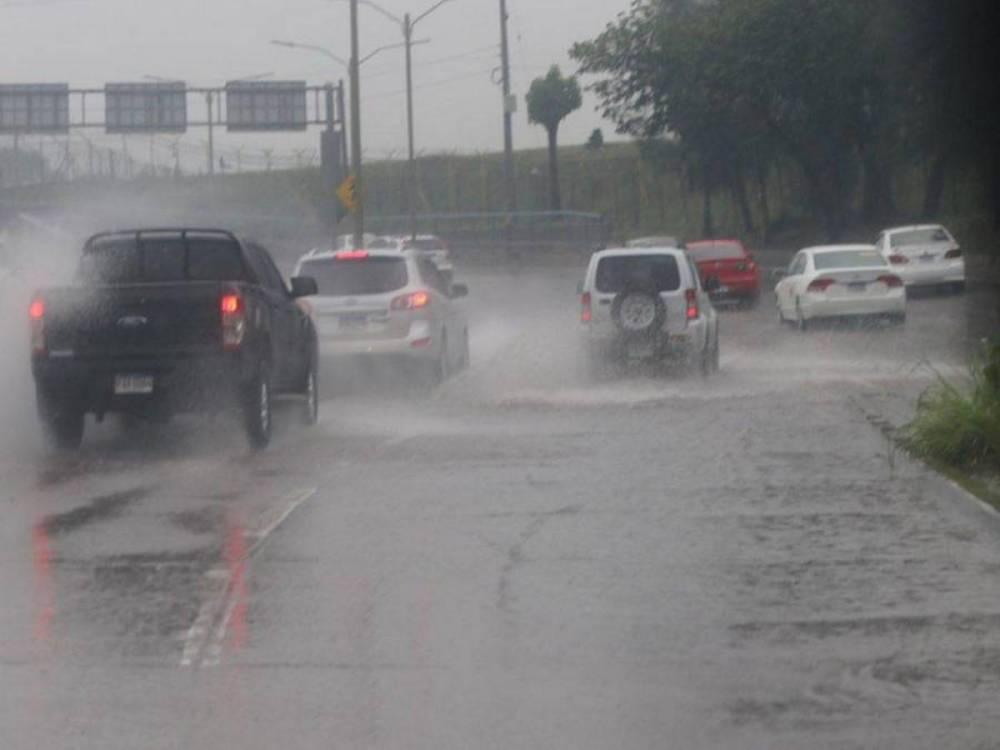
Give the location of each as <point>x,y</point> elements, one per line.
<point>523,558</point>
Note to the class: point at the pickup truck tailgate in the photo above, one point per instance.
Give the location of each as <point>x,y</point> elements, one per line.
<point>133,321</point>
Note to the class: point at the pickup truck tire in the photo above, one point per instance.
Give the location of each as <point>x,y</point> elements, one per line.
<point>62,423</point>
<point>257,410</point>
<point>309,413</point>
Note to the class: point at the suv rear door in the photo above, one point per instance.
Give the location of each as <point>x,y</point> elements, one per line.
<point>439,287</point>
<point>613,274</point>
<point>356,290</point>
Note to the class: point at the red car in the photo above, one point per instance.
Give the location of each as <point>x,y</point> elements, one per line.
<point>732,264</point>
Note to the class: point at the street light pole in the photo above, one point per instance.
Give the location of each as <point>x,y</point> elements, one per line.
<point>359,216</point>
<point>211,134</point>
<point>407,23</point>
<point>411,191</point>
<point>508,114</point>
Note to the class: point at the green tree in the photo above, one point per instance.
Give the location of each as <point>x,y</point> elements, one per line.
<point>950,55</point>
<point>734,83</point>
<point>596,140</point>
<point>657,81</point>
<point>550,100</point>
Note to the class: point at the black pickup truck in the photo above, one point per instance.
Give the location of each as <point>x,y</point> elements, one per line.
<point>164,321</point>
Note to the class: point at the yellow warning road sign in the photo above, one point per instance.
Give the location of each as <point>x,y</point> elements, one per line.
<point>347,193</point>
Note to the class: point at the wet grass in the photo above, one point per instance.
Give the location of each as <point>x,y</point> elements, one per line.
<point>984,485</point>
<point>957,428</point>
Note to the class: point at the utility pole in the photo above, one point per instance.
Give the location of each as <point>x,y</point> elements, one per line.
<point>359,215</point>
<point>17,158</point>
<point>211,134</point>
<point>406,24</point>
<point>508,134</point>
<point>342,113</point>
<point>411,192</point>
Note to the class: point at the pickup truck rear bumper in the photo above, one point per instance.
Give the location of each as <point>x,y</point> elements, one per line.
<point>179,385</point>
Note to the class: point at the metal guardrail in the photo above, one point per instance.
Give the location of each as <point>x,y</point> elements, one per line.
<point>488,232</point>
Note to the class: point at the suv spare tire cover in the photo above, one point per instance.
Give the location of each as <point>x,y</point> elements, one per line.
<point>638,311</point>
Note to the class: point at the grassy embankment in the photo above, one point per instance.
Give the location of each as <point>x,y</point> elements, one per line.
<point>957,427</point>
<point>637,195</point>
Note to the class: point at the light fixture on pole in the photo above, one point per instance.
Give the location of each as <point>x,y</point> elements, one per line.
<point>407,24</point>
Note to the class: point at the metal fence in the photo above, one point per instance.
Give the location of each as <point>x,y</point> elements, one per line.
<point>527,233</point>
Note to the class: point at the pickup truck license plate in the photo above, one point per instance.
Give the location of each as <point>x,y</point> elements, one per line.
<point>133,385</point>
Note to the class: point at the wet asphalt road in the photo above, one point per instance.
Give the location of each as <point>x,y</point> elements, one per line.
<point>522,559</point>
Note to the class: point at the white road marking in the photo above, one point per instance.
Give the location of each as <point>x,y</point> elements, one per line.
<point>203,643</point>
<point>290,505</point>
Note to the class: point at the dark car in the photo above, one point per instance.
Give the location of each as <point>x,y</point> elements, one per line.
<point>164,321</point>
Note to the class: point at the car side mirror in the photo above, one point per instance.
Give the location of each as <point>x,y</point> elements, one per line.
<point>712,284</point>
<point>459,290</point>
<point>778,274</point>
<point>304,286</point>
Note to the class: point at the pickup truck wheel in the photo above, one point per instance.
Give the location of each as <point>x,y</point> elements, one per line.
<point>62,424</point>
<point>310,405</point>
<point>257,411</point>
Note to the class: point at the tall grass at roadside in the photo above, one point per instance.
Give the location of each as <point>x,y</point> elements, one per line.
<point>960,426</point>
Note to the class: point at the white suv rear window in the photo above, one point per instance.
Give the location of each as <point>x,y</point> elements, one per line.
<point>620,272</point>
<point>341,278</point>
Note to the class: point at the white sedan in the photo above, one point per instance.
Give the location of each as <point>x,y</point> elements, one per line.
<point>839,281</point>
<point>924,255</point>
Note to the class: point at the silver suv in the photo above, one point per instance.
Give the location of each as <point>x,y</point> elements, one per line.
<point>388,305</point>
<point>648,304</point>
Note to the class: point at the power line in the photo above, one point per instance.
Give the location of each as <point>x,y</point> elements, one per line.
<point>432,84</point>
<point>38,3</point>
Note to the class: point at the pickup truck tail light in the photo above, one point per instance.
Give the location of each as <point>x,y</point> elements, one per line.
<point>820,285</point>
<point>412,301</point>
<point>692,304</point>
<point>234,321</point>
<point>36,314</point>
<point>586,311</point>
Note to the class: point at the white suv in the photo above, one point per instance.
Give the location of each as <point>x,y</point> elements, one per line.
<point>649,304</point>
<point>389,305</point>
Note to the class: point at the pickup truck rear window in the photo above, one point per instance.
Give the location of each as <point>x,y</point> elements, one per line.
<point>161,259</point>
<point>338,278</point>
<point>657,272</point>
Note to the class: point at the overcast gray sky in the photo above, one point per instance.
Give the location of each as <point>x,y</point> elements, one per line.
<point>205,42</point>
